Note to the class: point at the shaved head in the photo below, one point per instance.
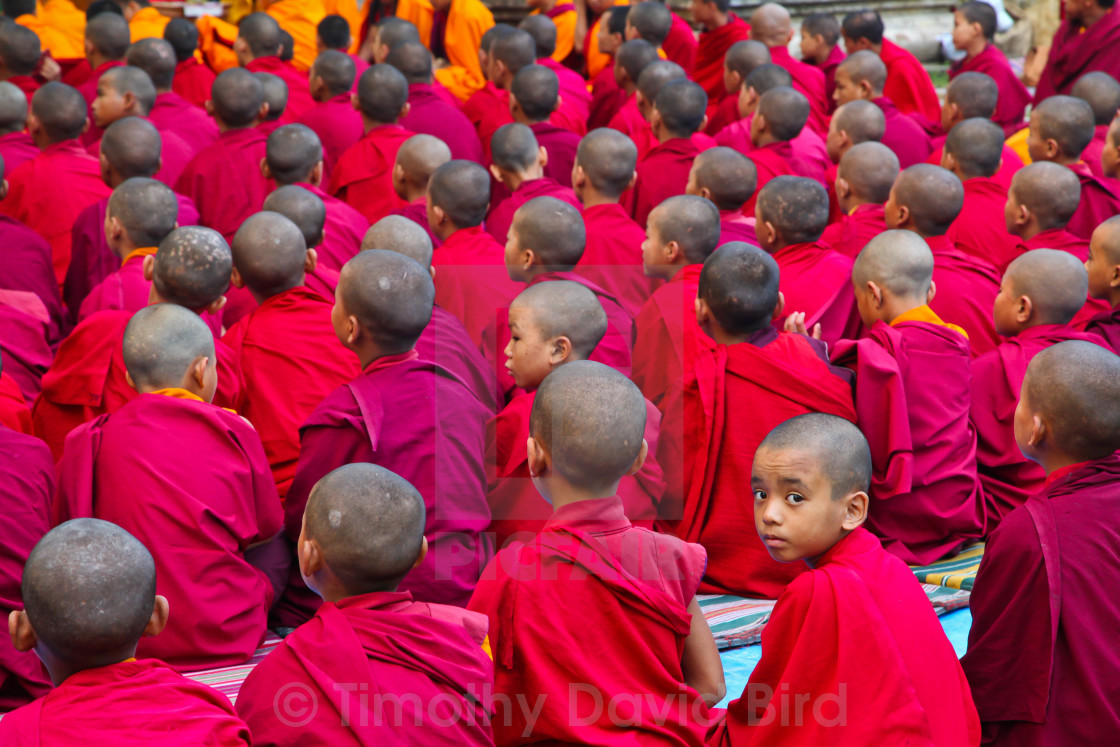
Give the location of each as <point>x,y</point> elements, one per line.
<point>652,21</point>
<point>395,233</point>
<point>977,147</point>
<point>462,190</point>
<point>933,195</point>
<point>275,91</point>
<point>537,90</point>
<point>681,105</point>
<point>13,108</point>
<point>515,50</point>
<point>692,222</point>
<point>155,57</point>
<point>744,56</point>
<point>127,79</point>
<point>634,56</point>
<point>262,33</point>
<point>1054,280</point>
<point>392,31</point>
<point>766,77</point>
<point>1066,120</point>
<point>870,169</point>
<point>656,75</point>
<point>182,35</point>
<point>237,96</point>
<point>162,342</point>
<point>562,308</point>
<point>302,207</point>
<point>514,148</point>
<point>785,110</point>
<point>1050,191</point>
<point>334,32</point>
<point>608,159</point>
<point>1101,92</point>
<point>19,48</point>
<point>292,153</point>
<point>146,208</point>
<point>390,295</point>
<point>728,175</point>
<point>899,261</point>
<point>835,445</point>
<point>1075,387</point>
<point>824,25</point>
<point>553,229</point>
<point>109,35</point>
<point>132,146</point>
<point>591,420</point>
<point>864,24</point>
<point>336,70</point>
<point>770,24</point>
<point>862,120</point>
<point>369,525</point>
<point>796,206</point>
<point>543,30</point>
<point>420,156</point>
<point>865,66</point>
<point>269,253</point>
<point>1107,236</point>
<point>382,93</point>
<point>739,283</point>
<point>192,267</point>
<point>61,111</point>
<point>413,60</point>
<point>974,94</point>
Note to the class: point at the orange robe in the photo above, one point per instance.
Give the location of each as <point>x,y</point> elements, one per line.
<point>147,23</point>
<point>467,21</point>
<point>596,61</point>
<point>564,16</point>
<point>300,18</point>
<point>215,42</point>
<point>348,9</point>
<point>61,28</point>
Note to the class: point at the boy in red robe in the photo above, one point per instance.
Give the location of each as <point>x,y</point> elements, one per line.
<point>19,57</point>
<point>928,500</point>
<point>907,83</point>
<point>510,54</point>
<point>863,185</point>
<point>224,180</point>
<point>727,178</point>
<point>771,25</point>
<point>974,29</point>
<point>404,414</point>
<point>362,532</point>
<point>585,434</point>
<point>927,199</point>
<point>820,37</point>
<point>333,117</point>
<point>855,122</point>
<point>1027,595</point>
<point>1110,154</point>
<point>1103,266</point>
<point>779,118</point>
<point>574,105</point>
<point>203,517</point>
<point>257,49</point>
<point>971,96</point>
<point>90,594</point>
<point>632,118</point>
<point>16,146</point>
<point>193,80</point>
<point>488,107</point>
<point>417,160</point>
<point>107,40</point>
<point>171,112</point>
<point>722,28</point>
<point>630,61</point>
<point>741,59</point>
<point>363,177</point>
<point>303,208</point>
<point>289,355</point>
<point>810,480</point>
<point>1084,42</point>
<point>1039,296</point>
<point>708,439</point>
<point>606,96</point>
<point>533,97</point>
<point>1102,92</point>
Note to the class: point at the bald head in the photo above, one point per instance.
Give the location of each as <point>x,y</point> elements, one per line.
<point>767,77</point>
<point>543,30</point>
<point>591,420</point>
<point>608,159</point>
<point>182,35</point>
<point>269,253</point>
<point>861,120</point>
<point>835,445</point>
<point>728,175</point>
<point>977,147</point>
<point>161,344</point>
<point>692,222</point>
<point>390,296</point>
<point>1075,387</point>
<point>933,196</point>
<point>562,308</point>
<point>785,110</point>
<point>420,156</point>
<point>19,49</point>
<point>1106,238</point>
<point>275,91</point>
<point>303,208</point>
<point>1102,93</point>
<point>131,80</point>
<point>870,169</point>
<point>537,91</point>
<point>155,57</point>
<point>109,35</point>
<point>147,210</point>
<point>369,525</point>
<point>392,31</point>
<point>132,146</point>
<point>1065,120</point>
<point>382,93</point>
<point>292,153</point>
<point>865,67</point>
<point>192,267</point>
<point>237,96</point>
<point>633,57</point>
<point>461,189</point>
<point>744,56</point>
<point>514,50</point>
<point>656,75</point>
<point>336,70</point>
<point>60,110</point>
<point>681,106</point>
<point>413,60</point>
<point>13,108</point>
<point>1055,281</point>
<point>553,229</point>
<point>974,95</point>
<point>770,24</point>
<point>395,233</point>
<point>89,589</point>
<point>514,148</point>
<point>261,33</point>
<point>651,20</point>
<point>1050,191</point>
<point>739,284</point>
<point>898,261</point>
<point>334,33</point>
<point>795,206</point>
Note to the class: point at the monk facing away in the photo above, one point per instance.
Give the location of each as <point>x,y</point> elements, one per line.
<point>1103,266</point>
<point>361,534</point>
<point>855,614</point>
<point>864,179</point>
<point>590,569</point>
<point>1032,594</point>
<point>728,179</point>
<point>417,160</point>
<point>974,96</point>
<point>89,590</point>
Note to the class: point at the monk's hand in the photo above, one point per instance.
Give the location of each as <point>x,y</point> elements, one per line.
<point>49,69</point>
<point>795,322</point>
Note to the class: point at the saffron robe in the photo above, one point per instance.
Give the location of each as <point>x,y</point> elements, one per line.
<point>147,23</point>
<point>903,135</point>
<point>681,44</point>
<point>711,49</point>
<point>25,341</point>
<point>193,81</point>
<point>488,110</point>
<point>15,148</point>
<point>855,229</point>
<point>430,114</point>
<point>818,281</point>
<point>1100,200</point>
<point>373,664</point>
<point>1033,594</point>
<point>980,229</point>
<point>967,287</point>
<point>1076,50</point>
<point>198,516</point>
<point>339,127</point>
<point>575,100</point>
<point>299,96</point>
<point>124,289</point>
<point>563,15</point>
<point>1008,167</point>
<point>471,279</point>
<point>343,231</point>
<point>595,60</point>
<point>913,398</point>
<point>300,18</point>
<point>25,265</point>
<point>173,113</point>
<point>363,178</point>
<point>446,343</point>
<point>460,32</point>
<point>612,257</point>
<point>291,360</point>
<point>731,399</point>
<point>662,174</point>
<point>809,81</point>
<point>500,219</point>
<point>859,609</point>
<point>61,28</point>
<point>1013,95</point>
<point>417,212</point>
<point>560,145</point>
<point>134,702</point>
<point>14,411</point>
<point>1107,326</point>
<point>225,182</point>
<point>628,584</point>
<point>908,84</point>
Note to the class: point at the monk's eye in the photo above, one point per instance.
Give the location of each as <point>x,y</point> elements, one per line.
<point>795,498</point>
<point>760,495</point>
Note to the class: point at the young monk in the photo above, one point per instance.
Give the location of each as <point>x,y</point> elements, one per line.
<point>171,112</point>
<point>907,85</point>
<point>16,146</point>
<point>606,96</point>
<point>706,444</point>
<point>363,178</point>
<point>90,593</point>
<point>771,25</point>
<point>741,59</point>
<point>1110,155</point>
<point>19,56</point>
<point>202,516</point>
<point>928,501</point>
<point>926,199</point>
<point>810,479</point>
<point>972,96</point>
<point>585,434</point>
<point>853,123</point>
<point>633,118</point>
<point>1061,129</point>
<point>863,185</point>
<point>779,118</point>
<point>1104,279</point>
<point>63,171</point>
<point>820,37</point>
<point>1067,422</point>
<point>972,152</point>
<point>510,54</point>
<point>417,160</point>
<point>518,163</point>
<point>488,107</point>
<point>974,29</point>
<point>404,414</point>
<point>361,534</point>
<point>1102,92</point>
<point>728,179</point>
<point>275,92</point>
<point>533,97</point>
<point>334,32</point>
<point>632,58</point>
<point>574,105</point>
<point>722,28</point>
<point>193,80</point>
<point>333,117</point>
<point>257,49</point>
<point>107,40</point>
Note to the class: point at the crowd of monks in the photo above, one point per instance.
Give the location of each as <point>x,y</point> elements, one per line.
<point>464,356</point>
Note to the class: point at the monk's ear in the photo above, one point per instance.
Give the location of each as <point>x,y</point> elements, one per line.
<point>542,156</point>
<point>703,124</point>
<point>235,279</point>
<point>262,113</point>
<point>561,351</point>
<point>215,307</point>
<point>441,216</point>
<point>494,172</point>
<point>948,162</point>
<point>1052,148</point>
<point>855,512</point>
<point>128,380</point>
<point>150,267</point>
<point>1039,430</point>
<point>1024,309</point>
<point>315,179</point>
<point>209,106</point>
<point>706,194</point>
<point>404,111</point>
<point>703,313</point>
<point>3,189</point>
<point>353,102</point>
<point>579,178</point>
<point>903,215</point>
<point>633,180</point>
<point>1114,280</point>
<point>559,102</point>
<point>538,459</point>
<point>640,460</point>
<point>197,371</point>
<point>21,632</point>
<point>780,306</point>
<point>310,261</point>
<point>158,621</point>
<point>875,292</point>
<point>129,99</point>
<point>423,552</point>
<point>266,172</point>
<point>865,89</point>
<point>842,188</point>
<point>673,252</point>
<point>931,293</point>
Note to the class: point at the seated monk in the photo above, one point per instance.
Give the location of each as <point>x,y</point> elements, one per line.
<point>972,96</point>
<point>1110,155</point>
<point>140,214</point>
<point>552,324</point>
<point>927,199</point>
<point>1102,92</point>
<point>1083,43</point>
<point>820,37</point>
<point>907,85</point>
<point>193,80</point>
<point>974,31</point>
<point>606,96</point>
<point>362,533</point>
<point>488,107</point>
<point>417,160</point>
<point>1061,129</point>
<point>518,162</point>
<point>855,122</point>
<point>510,53</point>
<point>742,59</point>
<point>765,376</point>
<point>585,434</point>
<point>472,280</point>
<point>563,17</point>
<point>363,177</point>
<point>144,21</point>
<point>88,377</point>
<point>171,112</point>
<point>1067,421</point>
<point>16,146</point>
<point>224,180</point>
<point>681,233</point>
<point>533,97</point>
<point>89,590</point>
<point>458,39</point>
<point>48,192</point>
<point>848,580</point>
<point>728,179</point>
<point>257,49</point>
<point>1103,266</point>
<point>19,56</point>
<point>632,60</point>
<point>972,152</point>
<point>203,515</point>
<point>863,185</point>
<point>333,118</point>
<point>779,118</point>
<point>59,25</point>
<point>335,32</point>
<point>574,107</point>
<point>1040,293</point>
<point>928,500</point>
<point>289,355</point>
<point>275,92</point>
<point>722,28</point>
<point>771,25</point>
<point>107,40</point>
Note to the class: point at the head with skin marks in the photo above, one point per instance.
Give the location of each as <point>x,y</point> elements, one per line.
<point>925,199</point>
<point>383,303</point>
<point>167,346</point>
<point>551,323</point>
<point>269,254</point>
<point>723,175</point>
<point>738,291</point>
<point>192,267</point>
<point>790,210</point>
<point>395,233</point>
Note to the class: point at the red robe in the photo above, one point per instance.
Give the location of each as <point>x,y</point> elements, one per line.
<point>88,89</point>
<point>681,44</point>
<point>807,155</point>
<point>809,81</point>
<point>48,193</point>
<point>734,225</point>
<point>771,161</point>
<point>173,113</point>
<point>1034,593</point>
<point>471,279</point>
<point>1075,51</point>
<point>624,583</point>
<point>446,343</point>
<point>126,289</point>
<point>27,84</point>
<point>606,99</point>
<point>1106,325</point>
<point>500,218</point>
<point>299,97</point>
<point>1013,95</point>
<point>430,114</point>
<point>908,84</point>
<point>903,135</point>
<point>913,398</point>
<point>575,101</point>
<point>662,174</point>
<point>818,281</point>
<point>828,67</point>
<point>193,81</point>
<point>133,702</point>
<point>612,258</point>
<point>735,395</point>
<point>338,125</point>
<point>343,230</point>
<point>488,109</point>
<point>560,144</point>
<point>357,656</point>
<point>1007,170</point>
<point>1100,200</point>
<point>417,212</point>
<point>980,229</point>
<point>629,121</point>
<point>363,178</point>
<point>291,360</point>
<point>225,180</point>
<point>25,340</point>
<point>858,610</point>
<point>175,154</point>
<point>87,378</point>
<point>1059,238</point>
<point>1091,156</point>
<point>710,51</point>
<point>132,468</point>
<point>967,287</point>
<point>25,265</point>
<point>15,148</point>
<point>723,113</point>
<point>855,229</point>
<point>14,412</point>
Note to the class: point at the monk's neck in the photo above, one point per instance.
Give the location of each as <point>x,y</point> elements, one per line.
<point>719,20</point>
<point>668,272</point>
<point>372,124</point>
<point>1029,231</point>
<point>764,139</point>
<point>894,307</point>
<point>224,128</point>
<point>976,47</point>
<point>514,181</point>
<point>1091,15</point>
<point>590,198</point>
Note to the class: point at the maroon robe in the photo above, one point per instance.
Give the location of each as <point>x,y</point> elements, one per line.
<point>711,49</point>
<point>770,161</point>
<point>662,174</point>
<point>1100,200</point>
<point>967,287</point>
<point>343,231</point>
<point>193,81</point>
<point>446,343</point>
<point>338,125</point>
<point>25,341</point>
<point>124,289</point>
<point>1038,591</point>
<point>488,109</point>
<point>734,225</point>
<point>1013,95</point>
<point>471,279</point>
<point>363,178</point>
<point>807,155</point>
<point>828,67</point>
<point>1106,325</point>
<point>430,114</point>
<point>132,468</point>
<point>417,212</point>
<point>575,101</point>
<point>818,281</point>
<point>88,89</point>
<point>500,219</point>
<point>299,96</point>
<point>680,45</point>
<point>225,182</point>
<point>27,84</point>
<point>606,98</point>
<point>25,265</point>
<point>629,121</point>
<point>908,84</point>
<point>15,148</point>
<point>855,229</point>
<point>1091,156</point>
<point>980,229</point>
<point>723,113</point>
<point>809,81</point>
<point>1076,50</point>
<point>903,135</point>
<point>612,257</point>
<point>1010,165</point>
<point>560,144</point>
<point>173,113</point>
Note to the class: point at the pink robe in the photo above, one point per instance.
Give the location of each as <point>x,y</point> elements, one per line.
<point>560,145</point>
<point>612,258</point>
<point>1107,326</point>
<point>338,125</point>
<point>488,109</point>
<point>771,161</point>
<point>662,174</point>
<point>680,45</point>
<point>299,97</point>
<point>364,176</point>
<point>818,281</point>
<point>174,113</point>
<point>903,135</point>
<point>446,343</point>
<point>1100,200</point>
<point>25,265</point>
<point>25,342</point>
<point>15,148</point>
<point>606,98</point>
<point>980,229</point>
<point>855,229</point>
<point>471,279</point>
<point>225,180</point>
<point>828,67</point>
<point>734,225</point>
<point>1091,156</point>
<point>967,287</point>
<point>500,219</point>
<point>1007,170</point>
<point>809,81</point>
<point>343,230</point>
<point>430,114</point>
<point>575,101</point>
<point>126,289</point>
<point>1013,95</point>
<point>808,154</point>
<point>711,49</point>
<point>629,121</point>
<point>1076,50</point>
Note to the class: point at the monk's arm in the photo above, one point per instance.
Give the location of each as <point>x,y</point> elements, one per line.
<point>581,23</point>
<point>703,670</point>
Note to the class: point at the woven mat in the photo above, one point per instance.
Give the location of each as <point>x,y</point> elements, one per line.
<point>957,572</point>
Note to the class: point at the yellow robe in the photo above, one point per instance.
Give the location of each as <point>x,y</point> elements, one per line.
<point>565,33</point>
<point>348,9</point>
<point>596,60</point>
<point>147,23</point>
<point>61,28</point>
<point>300,18</point>
<point>215,42</point>
<point>467,21</point>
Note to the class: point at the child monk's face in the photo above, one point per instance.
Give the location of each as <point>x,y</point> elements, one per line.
<point>964,32</point>
<point>1097,265</point>
<point>812,47</point>
<point>1110,157</point>
<point>339,318</point>
<point>529,356</point>
<point>109,106</point>
<point>1005,309</point>
<point>795,513</point>
<point>846,90</point>
<point>653,250</point>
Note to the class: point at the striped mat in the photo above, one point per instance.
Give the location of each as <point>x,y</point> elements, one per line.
<point>957,572</point>
<point>227,680</point>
